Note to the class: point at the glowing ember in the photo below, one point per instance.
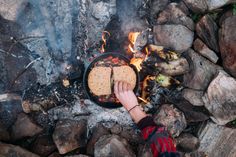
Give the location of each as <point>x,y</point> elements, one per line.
<point>105,36</point>
<point>143,100</point>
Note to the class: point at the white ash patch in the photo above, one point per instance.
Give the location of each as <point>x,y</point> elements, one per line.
<point>107,116</point>
<point>92,113</point>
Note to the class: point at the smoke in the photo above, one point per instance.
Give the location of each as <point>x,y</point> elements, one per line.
<point>127,11</point>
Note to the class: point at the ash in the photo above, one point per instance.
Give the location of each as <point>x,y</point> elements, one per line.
<point>93,113</point>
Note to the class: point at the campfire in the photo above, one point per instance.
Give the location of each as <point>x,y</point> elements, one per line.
<point>181,52</point>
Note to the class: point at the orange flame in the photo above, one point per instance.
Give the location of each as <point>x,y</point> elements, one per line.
<point>132,38</point>
<point>105,36</point>
<point>136,61</point>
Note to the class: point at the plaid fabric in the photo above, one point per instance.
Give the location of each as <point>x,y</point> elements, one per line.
<point>158,138</point>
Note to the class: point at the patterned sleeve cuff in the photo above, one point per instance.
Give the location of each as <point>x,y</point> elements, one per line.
<point>146,121</point>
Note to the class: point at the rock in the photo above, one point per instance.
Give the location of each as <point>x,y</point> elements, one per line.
<point>98,131</point>
<point>9,111</point>
<point>131,135</point>
<point>173,68</point>
<point>227,38</point>
<point>187,143</point>
<point>55,154</point>
<point>217,141</point>
<point>80,155</point>
<point>174,15</point>
<point>182,5</point>
<point>224,16</point>
<point>144,151</point>
<point>197,6</point>
<point>24,127</point>
<point>207,30</point>
<point>11,9</point>
<point>193,96</point>
<point>4,134</point>
<point>112,145</point>
<point>215,4</point>
<point>193,113</point>
<point>201,48</point>
<point>8,150</point>
<point>220,98</point>
<point>176,37</point>
<point>201,71</point>
<point>157,6</point>
<point>116,129</point>
<point>43,145</point>
<point>172,118</point>
<point>69,135</point>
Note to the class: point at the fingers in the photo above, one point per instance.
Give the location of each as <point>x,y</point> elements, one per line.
<point>116,88</point>
<point>120,87</point>
<point>129,87</point>
<point>125,86</point>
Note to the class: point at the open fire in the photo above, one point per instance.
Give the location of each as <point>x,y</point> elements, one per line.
<point>187,78</point>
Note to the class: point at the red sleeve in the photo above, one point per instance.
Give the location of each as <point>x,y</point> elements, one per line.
<point>156,136</point>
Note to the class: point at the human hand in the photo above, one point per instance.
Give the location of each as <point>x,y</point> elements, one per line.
<point>128,99</point>
<point>125,94</point>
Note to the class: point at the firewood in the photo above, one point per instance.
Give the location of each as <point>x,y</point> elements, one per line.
<point>173,68</point>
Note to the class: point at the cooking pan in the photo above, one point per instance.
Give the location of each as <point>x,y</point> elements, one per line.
<point>91,65</point>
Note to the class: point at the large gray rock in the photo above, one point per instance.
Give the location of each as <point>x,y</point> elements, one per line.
<point>201,48</point>
<point>220,98</point>
<point>172,118</point>
<point>197,6</point>
<point>215,4</point>
<point>112,145</point>
<point>98,131</point>
<point>193,96</point>
<point>187,143</point>
<point>69,135</point>
<point>157,5</point>
<point>192,113</point>
<point>24,127</point>
<point>174,15</point>
<point>176,37</point>
<point>201,71</point>
<point>207,30</point>
<point>8,150</point>
<point>217,141</point>
<point>227,38</point>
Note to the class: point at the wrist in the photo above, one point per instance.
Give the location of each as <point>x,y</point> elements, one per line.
<point>129,107</point>
<point>137,114</point>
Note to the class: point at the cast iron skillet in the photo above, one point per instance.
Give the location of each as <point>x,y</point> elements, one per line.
<point>88,69</point>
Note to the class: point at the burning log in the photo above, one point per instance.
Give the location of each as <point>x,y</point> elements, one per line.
<point>173,68</point>
<point>154,88</point>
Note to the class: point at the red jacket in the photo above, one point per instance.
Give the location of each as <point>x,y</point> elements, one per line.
<point>158,138</point>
